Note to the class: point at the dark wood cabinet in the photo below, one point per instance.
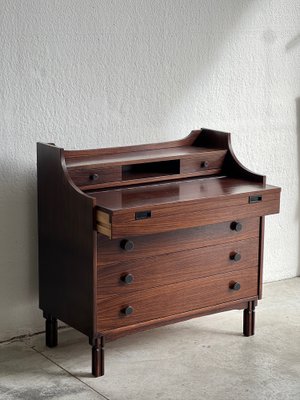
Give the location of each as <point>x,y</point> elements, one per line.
<point>136,237</point>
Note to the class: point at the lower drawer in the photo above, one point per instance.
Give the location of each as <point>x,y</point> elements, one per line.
<point>173,299</point>
<point>175,267</point>
<point>111,251</point>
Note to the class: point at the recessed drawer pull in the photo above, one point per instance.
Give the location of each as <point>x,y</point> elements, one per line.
<point>235,256</point>
<point>235,286</point>
<point>236,226</point>
<point>127,310</point>
<point>204,164</point>
<point>255,199</point>
<point>127,245</point>
<point>128,279</point>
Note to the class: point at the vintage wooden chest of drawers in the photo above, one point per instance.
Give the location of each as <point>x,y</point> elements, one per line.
<point>136,237</point>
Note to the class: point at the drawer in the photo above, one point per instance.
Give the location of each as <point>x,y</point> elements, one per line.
<point>207,161</point>
<point>112,251</point>
<point>144,273</point>
<point>94,175</point>
<point>170,206</point>
<point>174,299</point>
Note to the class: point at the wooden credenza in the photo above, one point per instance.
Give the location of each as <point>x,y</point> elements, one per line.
<point>132,238</point>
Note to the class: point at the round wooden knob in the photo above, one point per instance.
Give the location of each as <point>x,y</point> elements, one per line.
<point>94,177</point>
<point>236,226</point>
<point>235,256</point>
<point>127,245</point>
<point>127,310</point>
<point>235,286</point>
<point>128,279</point>
<point>204,164</point>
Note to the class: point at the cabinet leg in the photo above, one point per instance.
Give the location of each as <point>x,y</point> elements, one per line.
<point>249,319</point>
<point>51,331</point>
<point>98,357</point>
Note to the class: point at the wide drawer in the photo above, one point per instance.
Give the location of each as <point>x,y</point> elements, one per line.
<point>144,273</point>
<point>113,251</point>
<point>173,299</point>
<point>152,209</point>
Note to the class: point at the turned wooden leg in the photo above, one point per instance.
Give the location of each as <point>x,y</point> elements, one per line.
<point>51,331</point>
<point>249,319</point>
<point>98,357</point>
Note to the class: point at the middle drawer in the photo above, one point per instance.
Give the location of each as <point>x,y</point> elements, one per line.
<point>140,274</point>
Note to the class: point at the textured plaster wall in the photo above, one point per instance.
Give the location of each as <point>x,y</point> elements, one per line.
<point>104,73</point>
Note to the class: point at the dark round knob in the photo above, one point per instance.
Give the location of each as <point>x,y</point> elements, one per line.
<point>94,177</point>
<point>235,286</point>
<point>128,278</point>
<point>127,310</point>
<point>235,256</point>
<point>236,226</point>
<point>204,164</point>
<point>127,245</point>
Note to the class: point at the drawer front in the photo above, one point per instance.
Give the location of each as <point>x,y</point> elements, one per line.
<point>93,176</point>
<point>165,218</point>
<point>112,251</point>
<point>144,273</point>
<point>207,161</point>
<point>173,299</point>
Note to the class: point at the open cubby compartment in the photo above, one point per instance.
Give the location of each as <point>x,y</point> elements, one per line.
<point>150,169</point>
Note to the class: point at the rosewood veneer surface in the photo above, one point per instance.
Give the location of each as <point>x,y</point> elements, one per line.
<point>136,237</point>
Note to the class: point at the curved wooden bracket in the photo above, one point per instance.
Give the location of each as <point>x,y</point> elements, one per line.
<point>232,166</point>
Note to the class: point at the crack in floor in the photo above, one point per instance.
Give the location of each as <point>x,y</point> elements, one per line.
<point>65,370</point>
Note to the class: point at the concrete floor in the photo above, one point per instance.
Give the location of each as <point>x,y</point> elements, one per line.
<point>205,358</point>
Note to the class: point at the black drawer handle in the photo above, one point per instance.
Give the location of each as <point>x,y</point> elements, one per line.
<point>127,278</point>
<point>236,226</point>
<point>204,164</point>
<point>94,177</point>
<point>127,245</point>
<point>235,286</point>
<point>127,310</point>
<point>235,256</point>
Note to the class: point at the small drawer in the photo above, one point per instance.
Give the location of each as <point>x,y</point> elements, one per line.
<point>159,302</point>
<point>83,177</point>
<point>144,273</point>
<point>130,248</point>
<point>207,161</point>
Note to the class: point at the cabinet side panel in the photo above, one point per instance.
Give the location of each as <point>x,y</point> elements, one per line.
<point>67,244</point>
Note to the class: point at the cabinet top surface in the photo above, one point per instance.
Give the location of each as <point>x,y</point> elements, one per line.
<point>139,156</point>
<point>176,192</point>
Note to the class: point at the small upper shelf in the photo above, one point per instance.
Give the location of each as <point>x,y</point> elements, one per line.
<point>139,157</point>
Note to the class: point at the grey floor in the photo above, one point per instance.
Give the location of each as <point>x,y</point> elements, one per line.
<point>205,358</point>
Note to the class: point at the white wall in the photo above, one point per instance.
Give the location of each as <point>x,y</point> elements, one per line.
<point>104,73</point>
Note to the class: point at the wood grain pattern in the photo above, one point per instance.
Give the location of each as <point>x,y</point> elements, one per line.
<point>139,156</point>
<point>176,298</point>
<point>82,177</point>
<point>185,204</point>
<point>187,217</point>
<point>181,192</point>
<point>110,251</point>
<point>214,160</point>
<point>117,333</point>
<point>175,267</point>
<point>67,244</point>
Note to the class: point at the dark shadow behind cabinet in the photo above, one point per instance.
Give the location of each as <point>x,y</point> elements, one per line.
<point>141,236</point>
